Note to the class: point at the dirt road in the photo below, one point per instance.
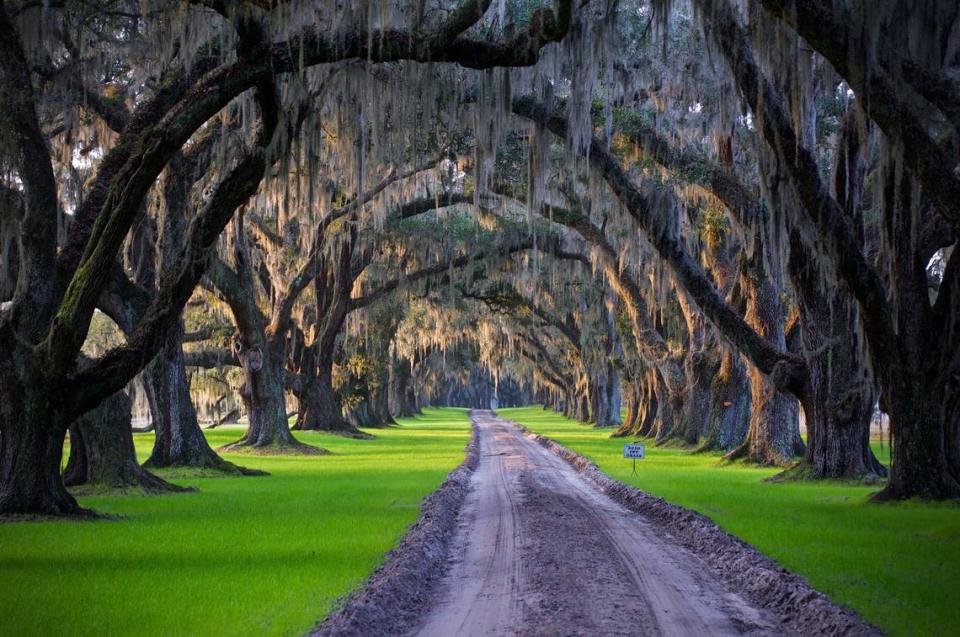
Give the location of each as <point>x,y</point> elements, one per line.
<point>539,551</point>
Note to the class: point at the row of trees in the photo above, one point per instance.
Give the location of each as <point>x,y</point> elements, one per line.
<point>718,215</point>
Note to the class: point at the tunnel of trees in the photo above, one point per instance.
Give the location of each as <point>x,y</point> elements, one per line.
<point>728,218</point>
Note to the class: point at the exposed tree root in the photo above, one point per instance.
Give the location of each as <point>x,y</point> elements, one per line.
<point>947,489</point>
<point>209,466</point>
<point>127,490</point>
<point>737,453</point>
<point>294,449</point>
<point>742,452</point>
<point>802,471</point>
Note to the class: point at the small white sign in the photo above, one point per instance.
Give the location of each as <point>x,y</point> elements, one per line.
<point>635,450</point>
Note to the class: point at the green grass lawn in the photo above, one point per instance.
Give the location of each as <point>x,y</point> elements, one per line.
<point>898,565</point>
<point>243,556</point>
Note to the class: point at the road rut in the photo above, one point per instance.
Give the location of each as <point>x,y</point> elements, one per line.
<point>540,551</point>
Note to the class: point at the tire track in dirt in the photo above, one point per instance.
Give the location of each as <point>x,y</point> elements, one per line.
<point>540,551</point>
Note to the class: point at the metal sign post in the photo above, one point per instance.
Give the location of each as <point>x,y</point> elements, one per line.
<point>634,450</point>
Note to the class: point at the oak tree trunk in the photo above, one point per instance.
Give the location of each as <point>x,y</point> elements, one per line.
<point>102,453</point>
<point>32,448</point>
<point>320,408</point>
<point>263,397</point>
<point>179,441</point>
<point>701,367</point>
<point>380,405</point>
<point>773,437</point>
<point>843,396</point>
<point>730,415</point>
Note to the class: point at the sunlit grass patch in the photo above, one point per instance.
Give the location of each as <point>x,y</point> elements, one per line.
<point>243,555</point>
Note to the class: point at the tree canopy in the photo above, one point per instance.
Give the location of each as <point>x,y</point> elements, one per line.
<point>721,215</point>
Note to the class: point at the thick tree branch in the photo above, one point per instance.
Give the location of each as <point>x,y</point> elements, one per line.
<point>822,211</point>
<point>547,375</point>
<point>122,195</point>
<point>831,30</point>
<point>789,372</point>
<point>649,340</point>
<point>28,150</point>
<point>547,357</point>
<point>439,268</point>
<point>111,372</point>
<point>211,358</point>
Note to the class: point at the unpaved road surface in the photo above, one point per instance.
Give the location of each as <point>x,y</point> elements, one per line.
<point>539,551</point>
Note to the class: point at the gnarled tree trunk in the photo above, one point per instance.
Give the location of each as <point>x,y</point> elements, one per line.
<point>730,415</point>
<point>926,416</point>
<point>33,434</point>
<point>263,397</point>
<point>102,454</point>
<point>773,437</point>
<point>179,441</point>
<point>380,404</point>
<point>320,408</point>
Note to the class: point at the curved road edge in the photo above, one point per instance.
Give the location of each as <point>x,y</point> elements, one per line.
<point>390,602</point>
<point>732,560</point>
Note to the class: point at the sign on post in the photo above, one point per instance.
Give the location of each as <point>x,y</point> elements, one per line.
<point>633,450</point>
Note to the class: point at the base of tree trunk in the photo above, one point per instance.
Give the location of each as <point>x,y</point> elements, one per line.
<point>332,425</point>
<point>352,432</point>
<point>897,495</point>
<point>321,410</point>
<point>363,415</point>
<point>103,459</point>
<point>946,487</point>
<point>803,471</point>
<point>295,448</point>
<point>379,424</point>
<point>768,459</point>
<point>179,443</point>
<point>145,484</point>
<point>16,505</point>
<point>337,426</point>
<point>203,464</point>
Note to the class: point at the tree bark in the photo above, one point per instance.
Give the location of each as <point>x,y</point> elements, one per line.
<point>179,441</point>
<point>698,405</point>
<point>33,435</point>
<point>730,415</point>
<point>700,364</point>
<point>920,466</point>
<point>263,397</point>
<point>632,400</point>
<point>398,389</point>
<point>372,411</point>
<point>380,404</point>
<point>102,453</point>
<point>920,390</point>
<point>773,437</point>
<point>261,354</point>
<point>843,393</point>
<point>320,408</point>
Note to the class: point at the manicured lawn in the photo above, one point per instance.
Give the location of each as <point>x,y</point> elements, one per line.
<point>898,565</point>
<point>243,556</point>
